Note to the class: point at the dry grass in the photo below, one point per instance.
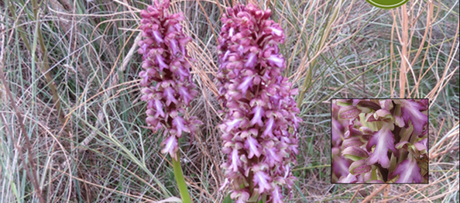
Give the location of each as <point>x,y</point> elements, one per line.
<point>92,147</point>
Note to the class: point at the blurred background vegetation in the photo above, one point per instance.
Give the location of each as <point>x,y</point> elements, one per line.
<point>72,123</point>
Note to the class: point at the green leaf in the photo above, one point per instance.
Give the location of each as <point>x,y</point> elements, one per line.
<point>352,157</point>
<point>228,199</point>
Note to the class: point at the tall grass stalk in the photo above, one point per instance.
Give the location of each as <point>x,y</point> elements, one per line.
<point>324,36</point>
<point>404,39</point>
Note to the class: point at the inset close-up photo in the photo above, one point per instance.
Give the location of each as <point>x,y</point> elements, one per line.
<point>379,141</point>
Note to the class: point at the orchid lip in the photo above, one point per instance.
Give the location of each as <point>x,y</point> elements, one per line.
<point>245,84</point>
<point>258,111</point>
<point>157,36</point>
<point>253,146</point>
<point>276,60</point>
<point>277,31</point>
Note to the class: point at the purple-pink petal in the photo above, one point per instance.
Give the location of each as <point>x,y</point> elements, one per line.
<point>411,110</point>
<point>232,124</point>
<point>383,141</point>
<point>350,178</point>
<point>183,91</point>
<point>269,127</point>
<point>247,82</point>
<point>253,146</point>
<point>349,112</point>
<point>408,172</point>
<point>161,62</point>
<point>159,108</point>
<point>276,195</point>
<point>242,196</point>
<point>276,60</point>
<point>272,156</point>
<point>180,125</point>
<point>337,132</point>
<point>251,61</point>
<point>261,179</point>
<point>170,146</point>
<point>257,118</point>
<point>359,167</point>
<point>235,160</point>
<point>340,166</point>
<point>169,94</point>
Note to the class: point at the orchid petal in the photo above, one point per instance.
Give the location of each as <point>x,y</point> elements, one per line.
<point>251,62</point>
<point>169,94</point>
<point>368,104</point>
<point>262,180</point>
<point>349,179</point>
<point>159,108</point>
<point>170,146</point>
<point>276,60</point>
<point>340,166</point>
<point>269,127</point>
<point>352,141</point>
<point>242,196</point>
<point>276,195</point>
<point>258,111</point>
<point>411,110</point>
<point>235,160</point>
<point>382,113</point>
<point>157,36</point>
<point>246,84</point>
<point>161,62</point>
<point>253,146</point>
<point>337,134</point>
<point>183,91</point>
<point>179,123</point>
<point>383,141</point>
<point>408,172</point>
<point>272,156</point>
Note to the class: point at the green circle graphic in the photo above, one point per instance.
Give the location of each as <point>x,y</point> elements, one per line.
<point>387,4</point>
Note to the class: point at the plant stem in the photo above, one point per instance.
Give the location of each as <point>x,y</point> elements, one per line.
<point>264,198</point>
<point>46,66</point>
<point>180,180</point>
<point>404,55</point>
